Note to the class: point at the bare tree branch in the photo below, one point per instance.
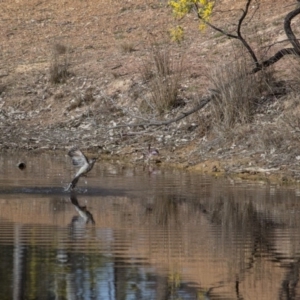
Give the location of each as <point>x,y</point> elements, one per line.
<point>241,38</point>
<point>268,47</point>
<point>288,30</point>
<point>273,59</point>
<point>238,36</point>
<point>286,51</point>
<point>213,26</point>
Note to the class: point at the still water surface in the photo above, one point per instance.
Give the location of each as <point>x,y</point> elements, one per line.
<point>128,233</point>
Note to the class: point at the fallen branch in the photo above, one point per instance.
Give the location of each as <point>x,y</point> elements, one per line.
<point>205,100</point>
<point>255,170</point>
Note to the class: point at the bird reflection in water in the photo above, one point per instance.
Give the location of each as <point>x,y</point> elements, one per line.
<point>84,214</point>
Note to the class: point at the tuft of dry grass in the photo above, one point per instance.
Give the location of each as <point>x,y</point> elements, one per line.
<point>59,64</point>
<point>127,47</point>
<point>162,60</point>
<point>237,93</point>
<point>163,75</point>
<point>2,88</point>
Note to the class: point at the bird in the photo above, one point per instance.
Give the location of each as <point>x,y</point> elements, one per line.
<point>82,162</point>
<point>149,154</point>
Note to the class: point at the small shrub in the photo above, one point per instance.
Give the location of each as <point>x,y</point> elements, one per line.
<point>88,96</point>
<point>147,71</point>
<point>59,64</point>
<point>59,49</point>
<point>58,72</point>
<point>163,75</point>
<point>127,47</point>
<point>164,91</point>
<point>237,93</point>
<point>162,60</point>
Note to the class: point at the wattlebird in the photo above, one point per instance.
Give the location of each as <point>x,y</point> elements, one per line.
<point>149,154</point>
<point>80,161</point>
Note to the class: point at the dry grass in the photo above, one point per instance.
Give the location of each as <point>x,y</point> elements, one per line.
<point>163,75</point>
<point>59,64</point>
<point>2,88</point>
<point>238,93</point>
<point>291,116</point>
<point>271,138</point>
<point>162,60</point>
<point>127,47</point>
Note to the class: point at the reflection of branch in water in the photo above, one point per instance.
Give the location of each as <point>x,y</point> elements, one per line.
<point>82,211</point>
<point>290,282</point>
<point>237,289</point>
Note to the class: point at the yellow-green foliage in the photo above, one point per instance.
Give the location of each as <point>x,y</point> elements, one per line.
<point>205,9</point>
<point>176,34</point>
<point>182,7</point>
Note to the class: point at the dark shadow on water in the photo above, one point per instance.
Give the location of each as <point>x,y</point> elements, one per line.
<point>61,191</point>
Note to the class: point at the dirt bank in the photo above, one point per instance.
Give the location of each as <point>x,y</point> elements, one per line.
<point>76,73</point>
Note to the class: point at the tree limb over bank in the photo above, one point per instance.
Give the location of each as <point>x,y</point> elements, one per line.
<point>294,50</point>
<point>286,51</point>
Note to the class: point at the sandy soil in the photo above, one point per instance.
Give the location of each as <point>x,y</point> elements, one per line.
<point>104,49</point>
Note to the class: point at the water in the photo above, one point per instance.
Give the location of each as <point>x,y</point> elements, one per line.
<point>131,233</point>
